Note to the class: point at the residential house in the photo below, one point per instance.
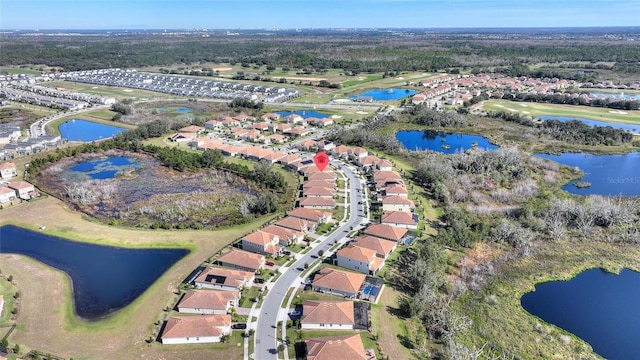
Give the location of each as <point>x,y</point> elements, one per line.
<point>269,117</point>
<point>260,126</point>
<point>358,153</point>
<point>341,151</point>
<point>318,183</point>
<point>400,219</point>
<point>322,122</point>
<point>338,282</point>
<point>6,194</point>
<point>368,161</point>
<point>327,315</point>
<point>397,203</point>
<point>296,131</point>
<point>278,128</point>
<point>396,190</point>
<point>294,118</point>
<point>241,260</point>
<point>382,247</point>
<point>286,236</point>
<point>289,159</point>
<point>8,170</point>
<point>338,347</point>
<point>23,189</point>
<point>213,125</point>
<point>310,215</point>
<point>319,192</point>
<point>321,203</point>
<point>297,224</point>
<point>385,231</point>
<point>223,279</point>
<point>261,242</point>
<point>384,165</point>
<point>323,175</point>
<point>274,156</point>
<point>230,122</point>
<point>196,329</point>
<point>208,302</point>
<point>276,138</point>
<point>359,259</point>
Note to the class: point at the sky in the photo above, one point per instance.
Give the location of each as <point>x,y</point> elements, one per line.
<point>289,14</point>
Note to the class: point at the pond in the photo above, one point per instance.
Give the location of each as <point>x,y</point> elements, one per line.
<point>599,307</point>
<point>609,175</point>
<point>103,168</point>
<point>179,110</point>
<point>104,278</point>
<point>83,130</point>
<point>438,141</point>
<point>304,113</point>
<point>386,94</point>
<point>634,128</point>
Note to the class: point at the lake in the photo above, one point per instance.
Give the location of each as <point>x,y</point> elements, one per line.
<point>179,110</point>
<point>609,175</point>
<point>386,94</point>
<point>634,128</point>
<point>104,278</point>
<point>441,142</point>
<point>304,113</point>
<point>83,130</point>
<point>599,307</point>
<point>103,168</point>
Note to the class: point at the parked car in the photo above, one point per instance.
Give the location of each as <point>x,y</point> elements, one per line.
<point>296,312</point>
<point>239,326</point>
<point>259,281</point>
<point>287,252</point>
<point>269,263</point>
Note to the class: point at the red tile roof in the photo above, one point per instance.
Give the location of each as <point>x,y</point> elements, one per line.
<point>308,214</point>
<point>194,326</point>
<point>385,231</point>
<point>336,347</point>
<point>317,201</point>
<point>243,259</point>
<point>261,238</point>
<point>398,217</point>
<point>327,312</point>
<point>223,276</point>
<point>208,299</point>
<point>339,280</point>
<point>381,246</point>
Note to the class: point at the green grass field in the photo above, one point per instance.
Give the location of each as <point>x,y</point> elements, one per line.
<point>587,112</point>
<point>116,92</point>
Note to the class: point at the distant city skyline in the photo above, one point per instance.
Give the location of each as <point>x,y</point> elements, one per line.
<point>289,14</point>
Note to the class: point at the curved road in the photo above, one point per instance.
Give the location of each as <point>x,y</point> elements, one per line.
<point>266,339</point>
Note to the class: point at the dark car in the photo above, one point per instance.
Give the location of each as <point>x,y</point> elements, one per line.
<point>239,326</point>
<point>269,263</point>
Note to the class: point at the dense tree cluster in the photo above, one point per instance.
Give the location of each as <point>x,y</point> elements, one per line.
<point>423,115</point>
<point>366,135</point>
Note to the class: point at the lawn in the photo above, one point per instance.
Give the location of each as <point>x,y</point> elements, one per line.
<point>107,91</point>
<point>303,295</point>
<point>587,112</point>
<point>338,213</point>
<point>249,296</point>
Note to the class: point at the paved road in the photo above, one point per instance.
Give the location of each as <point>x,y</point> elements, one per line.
<point>266,339</point>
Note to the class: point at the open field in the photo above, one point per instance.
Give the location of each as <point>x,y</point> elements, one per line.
<point>123,334</point>
<point>587,112</point>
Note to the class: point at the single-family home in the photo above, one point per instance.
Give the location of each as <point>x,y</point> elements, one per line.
<point>368,161</point>
<point>341,151</point>
<point>277,138</point>
<point>397,203</point>
<point>327,315</point>
<point>208,302</point>
<point>402,219</point>
<point>241,260</point>
<point>23,189</point>
<point>269,117</point>
<point>384,165</point>
<point>273,156</point>
<point>384,231</point>
<point>319,192</point>
<point>297,224</point>
<point>319,183</point>
<point>382,247</point>
<point>8,170</point>
<point>230,122</point>
<point>296,131</point>
<point>213,125</point>
<point>359,259</point>
<point>318,203</point>
<point>358,153</point>
<point>6,194</point>
<point>286,236</point>
<point>289,159</point>
<point>311,215</point>
<point>323,175</point>
<point>396,190</point>
<point>278,128</point>
<point>344,283</point>
<point>196,329</point>
<point>261,242</point>
<point>223,279</point>
<point>338,347</point>
<point>294,118</point>
<point>320,122</point>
